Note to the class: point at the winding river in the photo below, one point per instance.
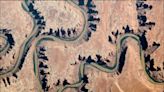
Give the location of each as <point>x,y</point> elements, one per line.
<point>28,42</point>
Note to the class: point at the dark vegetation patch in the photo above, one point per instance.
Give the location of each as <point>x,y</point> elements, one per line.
<point>42,67</point>
<point>122,59</point>
<point>10,39</point>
